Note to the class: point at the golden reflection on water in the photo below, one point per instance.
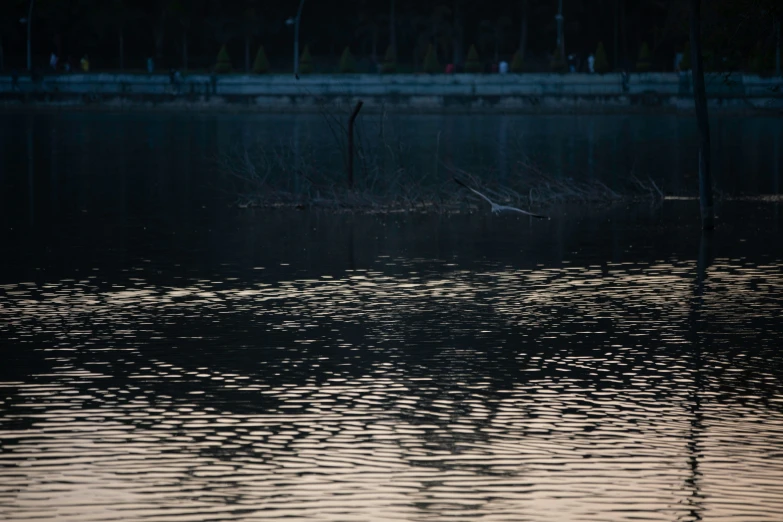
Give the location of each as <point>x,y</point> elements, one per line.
<point>576,393</point>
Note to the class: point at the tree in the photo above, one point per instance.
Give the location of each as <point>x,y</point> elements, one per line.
<point>9,30</point>
<point>558,63</point>
<point>431,64</point>
<point>643,63</point>
<point>249,27</point>
<point>296,38</point>
<point>347,62</point>
<point>601,61</point>
<point>496,32</point>
<point>700,100</point>
<point>223,64</point>
<point>442,30</point>
<point>389,61</point>
<point>184,12</point>
<point>522,33</point>
<point>472,62</point>
<point>392,32</point>
<point>260,64</point>
<point>517,63</point>
<point>306,61</point>
<point>685,64</point>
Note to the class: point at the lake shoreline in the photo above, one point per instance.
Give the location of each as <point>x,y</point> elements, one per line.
<point>405,94</point>
<point>519,106</point>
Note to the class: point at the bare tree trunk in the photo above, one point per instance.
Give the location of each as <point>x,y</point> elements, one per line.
<point>374,56</point>
<point>159,43</point>
<point>560,31</point>
<point>29,36</point>
<point>296,38</point>
<point>457,39</point>
<point>623,34</point>
<point>122,50</point>
<point>700,98</point>
<point>184,50</point>
<point>392,29</point>
<point>777,47</point>
<point>523,28</point>
<point>247,53</point>
<point>616,49</point>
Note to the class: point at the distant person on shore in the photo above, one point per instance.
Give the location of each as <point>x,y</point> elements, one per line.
<point>503,67</point>
<point>175,77</point>
<point>450,68</point>
<point>150,65</point>
<point>85,63</point>
<point>571,63</point>
<point>53,61</point>
<point>591,63</point>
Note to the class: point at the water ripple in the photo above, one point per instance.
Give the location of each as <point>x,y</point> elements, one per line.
<point>410,391</point>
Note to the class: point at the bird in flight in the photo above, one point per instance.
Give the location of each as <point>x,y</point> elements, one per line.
<point>497,209</point>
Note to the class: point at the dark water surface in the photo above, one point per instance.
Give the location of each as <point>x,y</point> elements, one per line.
<point>166,357</point>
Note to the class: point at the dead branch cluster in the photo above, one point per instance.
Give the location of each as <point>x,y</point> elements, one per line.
<point>294,175</point>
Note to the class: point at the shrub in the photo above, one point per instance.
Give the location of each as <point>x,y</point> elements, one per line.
<point>389,61</point>
<point>431,64</point>
<point>305,61</point>
<point>347,62</point>
<point>472,61</point>
<point>260,64</point>
<point>601,64</point>
<point>517,63</point>
<point>558,63</point>
<point>643,63</point>
<point>223,64</point>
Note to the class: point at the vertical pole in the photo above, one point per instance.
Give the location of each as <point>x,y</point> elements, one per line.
<point>350,141</point>
<point>700,99</point>
<point>296,38</point>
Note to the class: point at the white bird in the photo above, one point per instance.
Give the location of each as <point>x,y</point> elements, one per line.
<point>497,209</point>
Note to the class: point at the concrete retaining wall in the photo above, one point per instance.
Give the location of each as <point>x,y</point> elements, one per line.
<point>438,93</point>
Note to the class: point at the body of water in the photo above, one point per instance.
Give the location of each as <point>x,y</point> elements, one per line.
<point>168,357</point>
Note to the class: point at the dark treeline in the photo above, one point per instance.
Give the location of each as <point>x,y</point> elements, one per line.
<point>187,34</point>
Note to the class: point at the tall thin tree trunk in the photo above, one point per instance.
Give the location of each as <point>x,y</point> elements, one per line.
<point>159,44</point>
<point>184,50</point>
<point>247,53</point>
<point>616,49</point>
<point>122,50</point>
<point>523,28</point>
<point>560,31</point>
<point>392,29</point>
<point>30,36</point>
<point>777,47</point>
<point>374,56</point>
<point>296,38</point>
<point>700,99</point>
<point>458,35</point>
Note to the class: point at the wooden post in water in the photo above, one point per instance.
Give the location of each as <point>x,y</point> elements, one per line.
<point>700,99</point>
<point>354,114</point>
